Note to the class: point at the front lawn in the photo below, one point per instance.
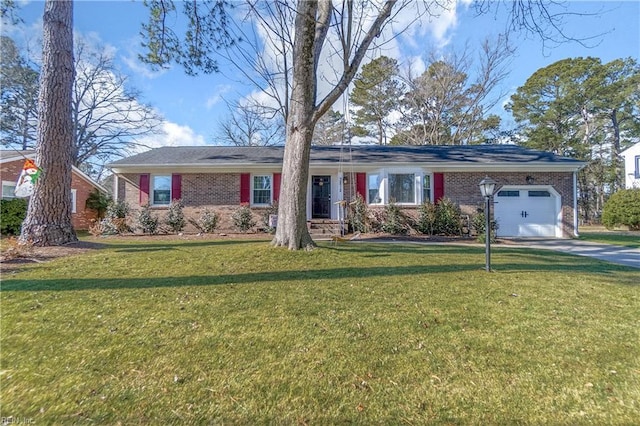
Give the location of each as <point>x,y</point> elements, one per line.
<point>224,332</point>
<point>621,238</point>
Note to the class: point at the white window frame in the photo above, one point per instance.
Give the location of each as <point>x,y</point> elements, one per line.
<point>74,199</point>
<point>637,164</point>
<point>11,195</point>
<point>380,181</point>
<point>430,176</point>
<point>384,192</point>
<point>152,189</point>
<point>253,181</point>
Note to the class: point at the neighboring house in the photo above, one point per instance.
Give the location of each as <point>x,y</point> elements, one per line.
<point>632,166</point>
<point>535,194</point>
<point>11,163</point>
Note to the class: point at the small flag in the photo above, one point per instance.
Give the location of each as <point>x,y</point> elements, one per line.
<point>27,180</point>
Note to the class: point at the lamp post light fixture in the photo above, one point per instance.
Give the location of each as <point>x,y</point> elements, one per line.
<point>487,186</point>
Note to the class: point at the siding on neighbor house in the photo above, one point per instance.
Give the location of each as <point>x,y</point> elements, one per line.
<point>83,218</point>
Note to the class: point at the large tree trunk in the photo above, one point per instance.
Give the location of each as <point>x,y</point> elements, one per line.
<point>292,229</point>
<point>48,220</point>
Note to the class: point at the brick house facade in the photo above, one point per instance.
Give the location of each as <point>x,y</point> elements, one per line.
<point>223,178</point>
<point>11,164</point>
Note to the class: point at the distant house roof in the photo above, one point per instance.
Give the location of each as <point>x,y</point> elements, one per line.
<point>433,156</point>
<point>7,156</point>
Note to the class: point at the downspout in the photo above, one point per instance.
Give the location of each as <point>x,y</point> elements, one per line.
<point>575,204</point>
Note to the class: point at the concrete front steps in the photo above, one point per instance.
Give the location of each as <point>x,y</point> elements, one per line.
<point>324,229</point>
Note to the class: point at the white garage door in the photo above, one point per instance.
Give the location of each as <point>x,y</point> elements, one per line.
<point>526,212</point>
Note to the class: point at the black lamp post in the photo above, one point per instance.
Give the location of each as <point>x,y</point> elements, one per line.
<point>487,185</point>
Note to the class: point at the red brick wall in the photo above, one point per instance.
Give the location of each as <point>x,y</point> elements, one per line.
<point>198,189</point>
<point>220,192</point>
<point>83,217</point>
<point>217,192</point>
<point>462,188</point>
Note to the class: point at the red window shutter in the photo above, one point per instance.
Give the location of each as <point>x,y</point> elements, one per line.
<point>438,186</point>
<point>176,187</point>
<point>361,185</point>
<point>144,189</point>
<point>245,188</point>
<point>277,177</point>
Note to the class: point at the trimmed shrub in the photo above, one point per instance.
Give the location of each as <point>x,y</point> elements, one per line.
<point>357,219</point>
<point>175,216</point>
<point>395,222</point>
<point>99,202</point>
<point>426,218</point>
<point>243,219</point>
<point>447,218</point>
<point>12,214</point>
<point>207,222</point>
<point>623,208</point>
<point>115,220</point>
<point>147,221</point>
<point>479,224</point>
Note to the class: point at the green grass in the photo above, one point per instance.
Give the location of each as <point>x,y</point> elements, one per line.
<point>222,332</point>
<point>627,239</point>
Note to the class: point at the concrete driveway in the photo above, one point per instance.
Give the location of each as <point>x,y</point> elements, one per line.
<point>615,254</point>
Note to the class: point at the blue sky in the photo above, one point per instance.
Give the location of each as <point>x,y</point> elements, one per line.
<point>193,106</point>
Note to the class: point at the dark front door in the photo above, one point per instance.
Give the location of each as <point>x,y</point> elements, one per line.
<point>321,197</point>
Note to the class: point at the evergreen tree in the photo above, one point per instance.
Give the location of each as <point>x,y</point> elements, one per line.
<point>376,94</point>
<point>582,108</point>
<point>48,220</point>
<point>18,97</point>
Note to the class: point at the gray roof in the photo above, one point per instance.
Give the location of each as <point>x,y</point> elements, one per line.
<point>355,154</point>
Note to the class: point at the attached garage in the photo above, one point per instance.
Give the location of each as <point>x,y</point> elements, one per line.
<point>528,211</point>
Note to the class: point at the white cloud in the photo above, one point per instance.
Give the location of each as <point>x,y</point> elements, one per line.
<point>173,134</point>
<point>218,96</point>
<point>131,60</point>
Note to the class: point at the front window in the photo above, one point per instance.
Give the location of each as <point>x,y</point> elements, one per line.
<point>7,189</point>
<point>74,197</point>
<point>373,187</point>
<point>262,189</point>
<point>426,188</point>
<point>161,190</point>
<point>637,166</point>
<point>402,188</point>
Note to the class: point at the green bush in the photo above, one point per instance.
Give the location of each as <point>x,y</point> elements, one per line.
<point>12,214</point>
<point>243,219</point>
<point>175,216</point>
<point>99,202</point>
<point>147,221</point>
<point>357,215</point>
<point>118,209</point>
<point>395,222</point>
<point>426,218</point>
<point>623,208</point>
<point>479,224</point>
<point>115,220</point>
<point>447,221</point>
<point>207,222</point>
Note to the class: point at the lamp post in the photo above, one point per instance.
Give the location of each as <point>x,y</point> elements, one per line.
<point>487,185</point>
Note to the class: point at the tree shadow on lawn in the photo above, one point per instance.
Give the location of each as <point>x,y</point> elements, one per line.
<point>176,245</point>
<point>571,264</point>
